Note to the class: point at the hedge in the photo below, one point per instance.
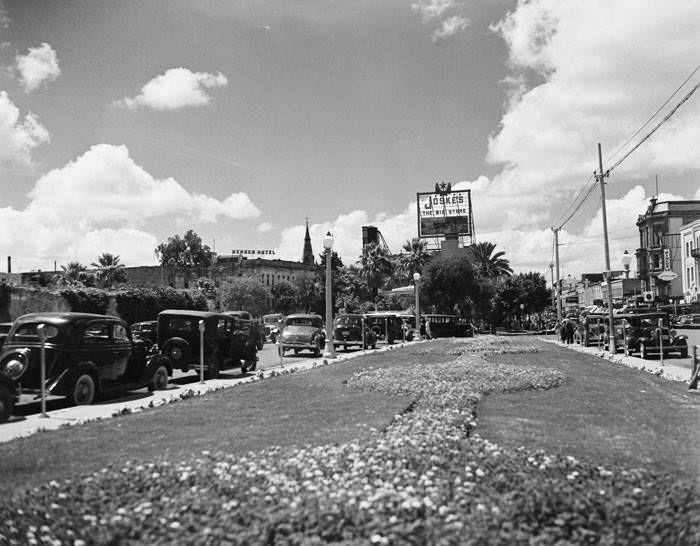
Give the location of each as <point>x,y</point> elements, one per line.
<point>139,304</point>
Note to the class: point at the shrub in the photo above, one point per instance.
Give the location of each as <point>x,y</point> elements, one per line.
<point>86,300</point>
<point>139,304</point>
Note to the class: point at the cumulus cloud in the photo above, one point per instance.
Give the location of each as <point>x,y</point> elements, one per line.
<point>443,13</point>
<point>449,27</point>
<point>38,66</point>
<point>18,135</point>
<point>265,227</point>
<point>174,89</point>
<point>101,201</point>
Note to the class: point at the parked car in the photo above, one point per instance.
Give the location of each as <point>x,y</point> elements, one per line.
<point>348,331</point>
<point>87,356</point>
<point>246,322</point>
<point>465,328</point>
<point>224,341</point>
<point>593,328</point>
<point>386,325</point>
<point>272,326</point>
<point>145,331</point>
<point>9,395</point>
<point>4,330</point>
<point>641,332</point>
<point>302,332</point>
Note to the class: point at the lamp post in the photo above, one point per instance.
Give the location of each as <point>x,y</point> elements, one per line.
<point>416,280</point>
<point>626,260</point>
<point>522,307</point>
<point>329,351</point>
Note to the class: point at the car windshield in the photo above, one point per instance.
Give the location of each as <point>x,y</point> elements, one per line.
<point>303,321</point>
<point>347,321</point>
<point>271,319</point>
<point>27,332</point>
<point>182,324</point>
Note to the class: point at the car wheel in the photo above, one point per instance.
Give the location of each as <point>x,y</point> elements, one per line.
<point>83,392</point>
<point>643,350</point>
<point>6,403</point>
<point>160,379</point>
<point>244,367</point>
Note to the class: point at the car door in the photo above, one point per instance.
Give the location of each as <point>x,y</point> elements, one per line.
<point>96,347</point>
<point>121,353</point>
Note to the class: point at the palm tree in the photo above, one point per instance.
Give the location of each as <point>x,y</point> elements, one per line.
<point>109,270</point>
<point>72,274</point>
<point>489,264</point>
<point>416,257</point>
<point>375,266</point>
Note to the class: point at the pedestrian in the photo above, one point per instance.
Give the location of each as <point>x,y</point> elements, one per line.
<point>562,331</point>
<point>569,327</point>
<point>404,328</point>
<point>421,328</point>
<point>428,333</point>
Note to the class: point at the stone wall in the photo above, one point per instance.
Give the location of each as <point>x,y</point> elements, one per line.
<point>31,300</point>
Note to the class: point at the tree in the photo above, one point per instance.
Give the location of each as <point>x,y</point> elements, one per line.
<point>415,258</point>
<point>528,289</point>
<point>488,264</point>
<point>336,262</point>
<point>375,266</point>
<point>109,270</point>
<point>310,294</point>
<point>73,274</point>
<point>186,251</point>
<point>245,293</point>
<point>285,297</point>
<point>450,281</point>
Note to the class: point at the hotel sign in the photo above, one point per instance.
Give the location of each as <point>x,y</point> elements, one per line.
<point>444,212</point>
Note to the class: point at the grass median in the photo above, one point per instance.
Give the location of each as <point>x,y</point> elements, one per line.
<point>361,470</point>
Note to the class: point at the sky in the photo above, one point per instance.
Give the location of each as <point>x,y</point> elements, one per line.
<point>125,123</point>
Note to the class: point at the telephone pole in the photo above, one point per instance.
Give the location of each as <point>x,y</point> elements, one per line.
<point>607,275</point>
<point>557,288</point>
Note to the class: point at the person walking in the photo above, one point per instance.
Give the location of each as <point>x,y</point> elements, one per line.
<point>428,333</point>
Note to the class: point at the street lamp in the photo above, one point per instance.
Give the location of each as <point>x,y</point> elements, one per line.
<point>329,351</point>
<point>416,280</point>
<point>626,259</point>
<point>522,307</point>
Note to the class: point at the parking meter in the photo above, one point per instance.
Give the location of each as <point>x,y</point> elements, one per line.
<point>42,332</point>
<point>201,351</point>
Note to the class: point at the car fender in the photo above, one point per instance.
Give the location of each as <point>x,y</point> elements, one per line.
<point>156,360</point>
<point>682,337</point>
<point>64,382</point>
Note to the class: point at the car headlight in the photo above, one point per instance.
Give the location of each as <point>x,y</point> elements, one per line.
<point>673,333</point>
<point>16,364</point>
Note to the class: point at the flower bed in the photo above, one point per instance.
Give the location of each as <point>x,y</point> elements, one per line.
<point>426,479</point>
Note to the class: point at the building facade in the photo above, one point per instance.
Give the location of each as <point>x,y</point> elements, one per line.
<point>690,261</point>
<point>660,252</point>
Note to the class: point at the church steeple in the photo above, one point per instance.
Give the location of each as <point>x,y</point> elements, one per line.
<point>308,256</point>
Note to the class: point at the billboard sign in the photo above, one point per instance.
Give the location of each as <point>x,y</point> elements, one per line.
<point>444,212</point>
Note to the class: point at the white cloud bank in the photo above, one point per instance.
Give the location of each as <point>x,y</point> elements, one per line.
<point>579,73</point>
<point>38,66</point>
<point>174,89</point>
<point>442,13</point>
<point>18,135</point>
<point>97,204</point>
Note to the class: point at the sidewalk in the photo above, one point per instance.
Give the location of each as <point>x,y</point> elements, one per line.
<point>21,426</point>
<point>673,369</point>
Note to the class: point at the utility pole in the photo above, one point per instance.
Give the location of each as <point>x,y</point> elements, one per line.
<point>557,289</point>
<point>607,275</point>
<point>554,289</point>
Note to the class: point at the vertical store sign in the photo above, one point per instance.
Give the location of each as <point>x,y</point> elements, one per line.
<point>667,259</point>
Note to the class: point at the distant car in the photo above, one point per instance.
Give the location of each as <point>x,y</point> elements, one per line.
<point>302,332</point>
<point>87,356</point>
<point>648,334</point>
<point>272,325</point>
<point>348,330</point>
<point>224,341</point>
<point>145,331</point>
<point>465,328</point>
<point>247,322</point>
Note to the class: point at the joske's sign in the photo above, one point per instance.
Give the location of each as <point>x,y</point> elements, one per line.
<point>444,212</point>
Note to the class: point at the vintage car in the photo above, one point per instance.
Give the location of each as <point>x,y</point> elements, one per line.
<point>465,328</point>
<point>224,341</point>
<point>648,334</point>
<point>145,331</point>
<point>246,323</point>
<point>86,356</point>
<point>302,332</point>
<point>9,395</point>
<point>387,325</point>
<point>593,329</point>
<point>348,331</point>
<point>272,326</point>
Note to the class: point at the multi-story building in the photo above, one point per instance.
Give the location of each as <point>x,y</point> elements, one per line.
<point>659,256</point>
<point>690,261</point>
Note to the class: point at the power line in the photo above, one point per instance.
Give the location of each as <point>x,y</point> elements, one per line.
<point>619,149</point>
